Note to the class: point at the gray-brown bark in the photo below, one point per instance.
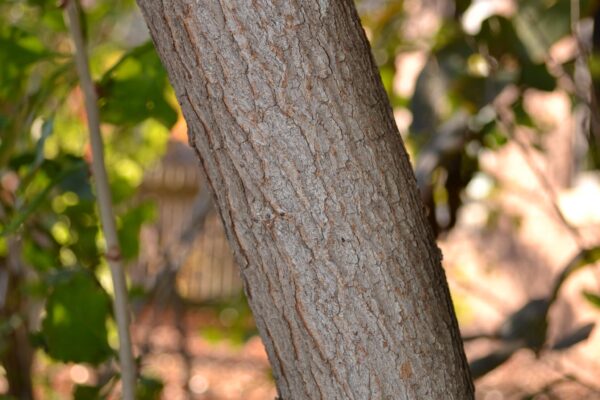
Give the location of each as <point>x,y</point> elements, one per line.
<point>289,118</point>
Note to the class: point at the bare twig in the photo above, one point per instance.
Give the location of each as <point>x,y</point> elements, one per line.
<point>558,368</point>
<point>547,187</point>
<point>507,124</point>
<point>113,252</point>
<point>584,90</point>
<point>585,93</point>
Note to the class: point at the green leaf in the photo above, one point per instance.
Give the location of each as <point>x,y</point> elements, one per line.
<point>593,298</point>
<point>87,392</point>
<point>387,78</point>
<point>148,389</point>
<point>499,36</point>
<point>78,182</point>
<point>536,76</point>
<point>539,24</point>
<point>38,200</point>
<point>129,230</point>
<point>522,117</point>
<point>39,258</point>
<point>587,257</point>
<point>83,221</point>
<point>74,327</point>
<point>18,51</point>
<point>135,89</point>
<point>494,138</point>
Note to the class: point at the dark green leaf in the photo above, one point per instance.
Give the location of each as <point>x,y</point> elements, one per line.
<point>494,138</point>
<point>86,392</point>
<point>74,327</point>
<point>521,116</point>
<point>539,24</point>
<point>149,389</point>
<point>536,76</point>
<point>78,182</point>
<point>499,36</point>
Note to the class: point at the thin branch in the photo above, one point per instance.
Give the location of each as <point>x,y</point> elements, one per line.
<point>113,253</point>
<point>548,188</point>
<point>507,124</point>
<point>558,368</point>
<point>586,94</point>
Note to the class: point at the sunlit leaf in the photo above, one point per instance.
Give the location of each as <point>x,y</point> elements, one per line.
<point>19,51</point>
<point>129,230</point>
<point>38,200</point>
<point>83,221</point>
<point>135,90</point>
<point>592,298</point>
<point>74,327</point>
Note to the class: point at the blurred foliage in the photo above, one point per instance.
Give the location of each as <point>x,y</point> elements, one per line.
<point>233,322</point>
<point>454,106</point>
<point>149,389</point>
<point>528,326</point>
<point>49,224</point>
<point>593,298</point>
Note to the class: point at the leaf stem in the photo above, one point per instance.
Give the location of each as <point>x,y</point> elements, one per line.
<point>113,251</point>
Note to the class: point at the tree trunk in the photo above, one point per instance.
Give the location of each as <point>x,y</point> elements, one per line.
<point>287,113</point>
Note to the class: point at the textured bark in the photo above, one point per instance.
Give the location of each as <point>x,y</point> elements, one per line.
<point>287,113</point>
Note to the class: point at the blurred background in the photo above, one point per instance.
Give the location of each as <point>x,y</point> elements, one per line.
<point>497,102</point>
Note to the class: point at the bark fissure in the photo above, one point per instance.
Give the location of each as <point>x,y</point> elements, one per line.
<point>288,115</point>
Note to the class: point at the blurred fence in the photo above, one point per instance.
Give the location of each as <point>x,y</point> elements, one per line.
<point>205,268</point>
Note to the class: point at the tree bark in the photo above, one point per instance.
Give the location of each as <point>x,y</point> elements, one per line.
<point>287,113</point>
